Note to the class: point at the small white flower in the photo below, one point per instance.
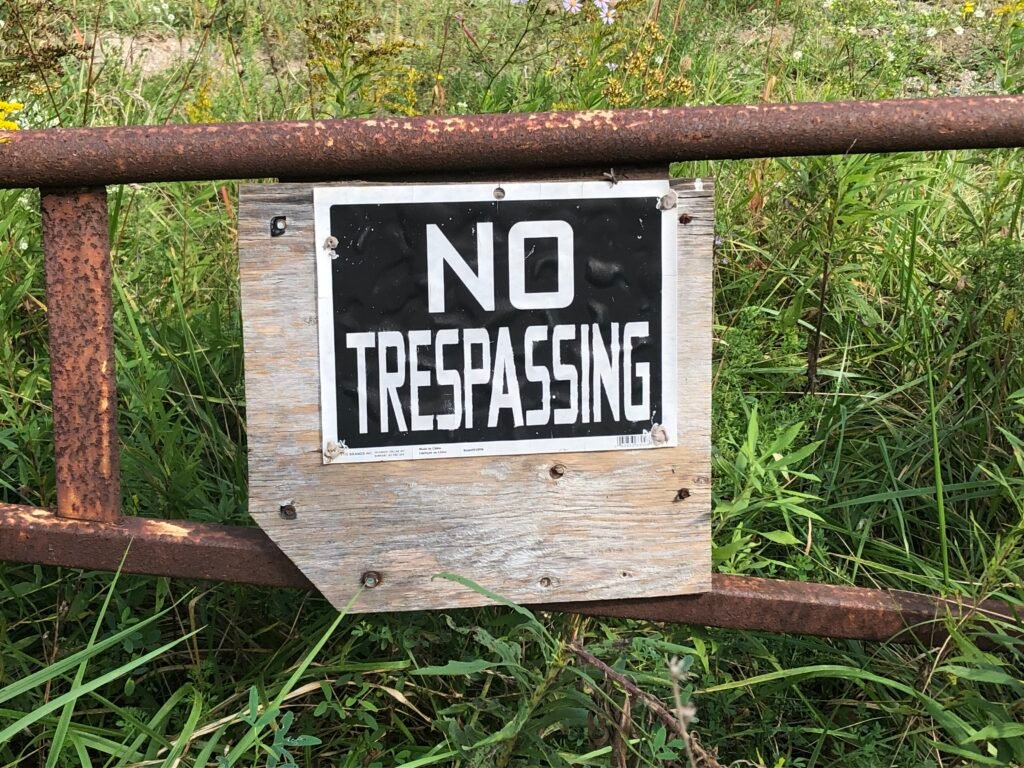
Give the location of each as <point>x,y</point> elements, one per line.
<point>170,17</point>
<point>890,56</point>
<point>23,244</point>
<point>659,60</point>
<point>931,32</point>
<point>612,66</point>
<point>797,55</point>
<point>572,6</point>
<point>979,14</point>
<point>958,30</point>
<point>608,15</point>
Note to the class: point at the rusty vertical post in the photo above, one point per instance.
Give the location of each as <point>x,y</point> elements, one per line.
<point>79,309</point>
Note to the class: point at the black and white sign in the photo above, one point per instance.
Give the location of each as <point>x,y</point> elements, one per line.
<point>476,319</point>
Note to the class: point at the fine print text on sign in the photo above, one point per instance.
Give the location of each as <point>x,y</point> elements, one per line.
<point>481,320</point>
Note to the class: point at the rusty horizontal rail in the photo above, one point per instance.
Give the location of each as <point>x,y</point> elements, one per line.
<point>177,548</point>
<point>336,149</point>
<point>247,555</point>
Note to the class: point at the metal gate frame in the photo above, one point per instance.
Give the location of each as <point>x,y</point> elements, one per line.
<point>72,167</point>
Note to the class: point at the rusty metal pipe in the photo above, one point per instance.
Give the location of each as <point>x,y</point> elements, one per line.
<point>155,547</point>
<point>335,149</point>
<point>247,555</point>
<point>794,607</point>
<point>80,318</point>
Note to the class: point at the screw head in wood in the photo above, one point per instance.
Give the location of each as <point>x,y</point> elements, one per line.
<point>288,512</point>
<point>370,579</point>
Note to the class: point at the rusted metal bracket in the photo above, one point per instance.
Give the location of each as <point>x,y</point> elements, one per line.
<point>246,555</point>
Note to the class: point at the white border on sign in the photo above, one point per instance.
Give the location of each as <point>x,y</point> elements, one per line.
<point>334,451</point>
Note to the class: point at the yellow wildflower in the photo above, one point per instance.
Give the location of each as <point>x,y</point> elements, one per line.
<point>200,109</point>
<point>7,108</point>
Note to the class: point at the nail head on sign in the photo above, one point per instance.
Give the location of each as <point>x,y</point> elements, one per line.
<point>370,579</point>
<point>278,224</point>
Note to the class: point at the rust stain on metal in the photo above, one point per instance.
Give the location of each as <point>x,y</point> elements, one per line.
<point>382,147</point>
<point>247,555</point>
<point>79,311</point>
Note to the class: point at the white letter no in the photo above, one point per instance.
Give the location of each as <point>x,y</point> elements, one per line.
<point>534,230</point>
<point>440,251</point>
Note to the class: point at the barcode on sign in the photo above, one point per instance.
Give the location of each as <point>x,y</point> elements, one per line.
<point>632,441</point>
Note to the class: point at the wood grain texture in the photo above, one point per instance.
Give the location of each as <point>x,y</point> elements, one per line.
<point>614,525</point>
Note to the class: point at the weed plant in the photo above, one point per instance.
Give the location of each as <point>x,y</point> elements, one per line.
<point>868,414</point>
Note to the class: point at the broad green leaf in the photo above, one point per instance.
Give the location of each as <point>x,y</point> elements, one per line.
<point>781,537</point>
<point>998,731</point>
<point>457,668</point>
<point>996,676</point>
<point>796,456</point>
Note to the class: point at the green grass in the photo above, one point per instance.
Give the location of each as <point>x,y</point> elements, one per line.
<point>901,465</point>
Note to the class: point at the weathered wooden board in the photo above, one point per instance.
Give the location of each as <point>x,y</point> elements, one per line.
<point>602,525</point>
